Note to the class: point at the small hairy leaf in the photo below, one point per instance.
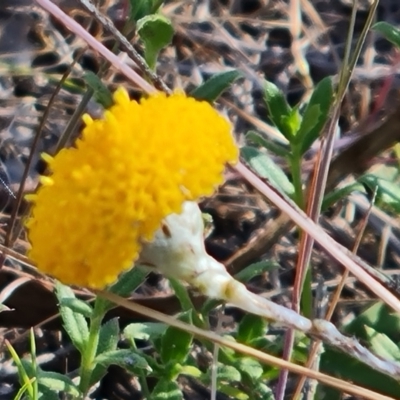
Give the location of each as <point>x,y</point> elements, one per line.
<point>382,345</point>
<point>256,269</point>
<point>315,115</point>
<point>144,331</point>
<point>166,390</point>
<point>251,327</point>
<point>265,167</point>
<point>156,32</point>
<point>175,343</point>
<point>228,373</point>
<point>125,359</point>
<point>338,194</point>
<point>389,32</point>
<point>58,382</point>
<point>77,306</point>
<point>108,341</point>
<point>127,283</point>
<point>100,91</point>
<point>278,108</point>
<point>276,148</point>
<point>252,368</point>
<point>74,323</point>
<point>212,88</point>
<point>141,8</point>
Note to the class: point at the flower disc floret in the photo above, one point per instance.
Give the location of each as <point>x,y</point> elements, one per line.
<point>126,173</point>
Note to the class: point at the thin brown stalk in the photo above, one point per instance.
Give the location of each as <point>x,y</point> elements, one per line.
<point>315,348</point>
<point>261,356</point>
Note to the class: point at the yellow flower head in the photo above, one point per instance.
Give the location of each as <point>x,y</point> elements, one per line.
<point>127,173</point>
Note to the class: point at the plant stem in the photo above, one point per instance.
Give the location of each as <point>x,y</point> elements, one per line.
<point>89,354</point>
<point>295,166</point>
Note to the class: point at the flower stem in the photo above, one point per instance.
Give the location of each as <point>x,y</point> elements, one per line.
<point>295,164</point>
<point>90,350</point>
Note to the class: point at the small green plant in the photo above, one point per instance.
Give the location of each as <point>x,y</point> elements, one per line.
<point>300,126</point>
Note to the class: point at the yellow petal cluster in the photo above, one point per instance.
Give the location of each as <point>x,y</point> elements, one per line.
<point>126,173</point>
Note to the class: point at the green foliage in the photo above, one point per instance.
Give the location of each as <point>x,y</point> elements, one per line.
<point>276,148</point>
<point>315,115</point>
<point>127,283</point>
<point>77,306</point>
<point>385,180</point>
<point>300,126</point>
<point>256,269</point>
<point>388,31</point>
<point>57,383</point>
<point>279,109</point>
<point>266,167</point>
<point>74,322</point>
<point>100,91</point>
<point>251,328</point>
<point>379,327</point>
<point>141,8</point>
<point>175,343</point>
<point>108,341</point>
<point>166,390</point>
<point>39,384</point>
<point>212,88</point>
<point>156,32</point>
<point>125,359</point>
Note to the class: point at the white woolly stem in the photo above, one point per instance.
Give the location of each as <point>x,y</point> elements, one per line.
<point>178,251</point>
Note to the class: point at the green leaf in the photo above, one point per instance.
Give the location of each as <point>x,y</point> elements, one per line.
<point>175,343</point>
<point>389,32</point>
<point>108,341</point>
<point>213,87</point>
<point>126,359</point>
<point>256,269</point>
<point>47,394</point>
<point>144,331</point>
<point>341,365</point>
<point>265,167</point>
<point>208,306</point>
<point>382,345</point>
<point>58,383</point>
<point>189,370</point>
<point>251,327</point>
<point>264,392</point>
<point>166,390</point>
<point>77,306</point>
<point>228,373</point>
<point>74,323</point>
<point>380,318</point>
<point>25,371</point>
<point>233,392</point>
<point>252,368</point>
<point>127,283</point>
<point>333,197</point>
<point>156,32</point>
<point>315,115</point>
<point>292,121</point>
<point>185,301</point>
<point>388,192</point>
<point>278,108</point>
<point>100,91</point>
<point>375,319</point>
<point>141,8</point>
<point>276,148</point>
<point>309,121</point>
<point>182,294</point>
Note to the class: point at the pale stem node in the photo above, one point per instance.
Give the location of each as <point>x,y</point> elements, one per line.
<point>178,251</point>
